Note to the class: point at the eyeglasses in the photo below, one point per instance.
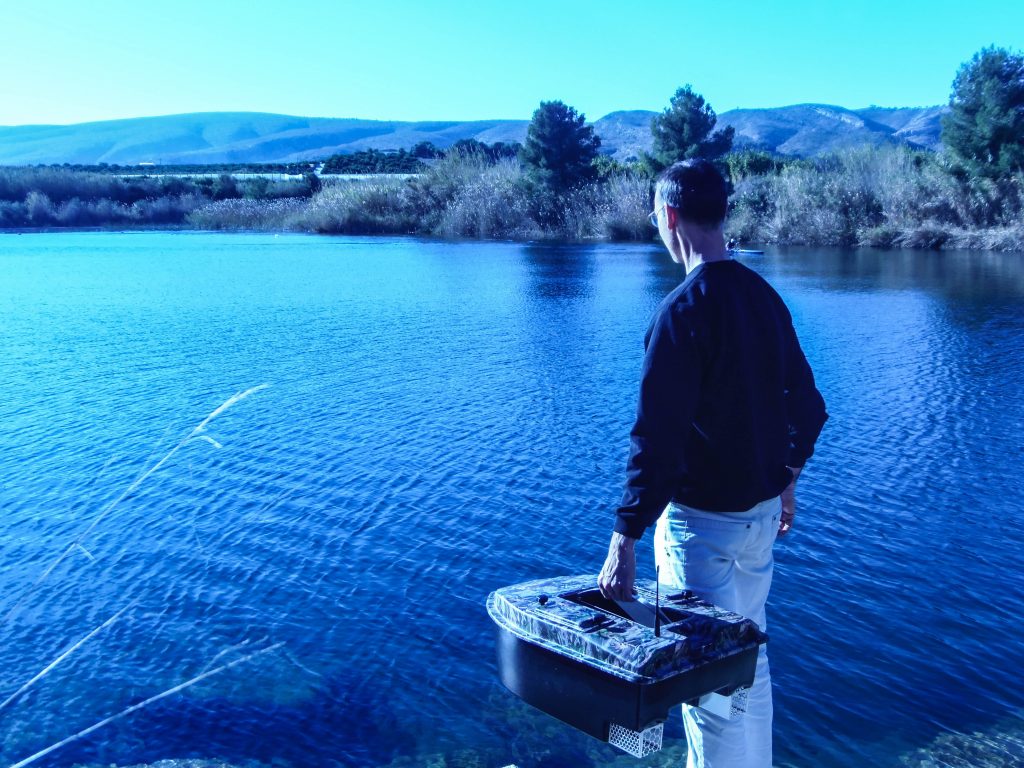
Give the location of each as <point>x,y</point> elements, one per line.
<point>653,215</point>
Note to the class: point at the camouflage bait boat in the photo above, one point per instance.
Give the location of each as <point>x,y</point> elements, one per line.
<point>615,670</point>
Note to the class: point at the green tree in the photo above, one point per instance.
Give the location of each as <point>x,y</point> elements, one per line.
<point>686,130</point>
<point>313,183</point>
<point>425,150</point>
<point>985,125</point>
<point>606,166</point>
<point>560,147</point>
<point>469,147</point>
<point>225,188</point>
<point>751,162</point>
<point>499,150</point>
<point>258,188</point>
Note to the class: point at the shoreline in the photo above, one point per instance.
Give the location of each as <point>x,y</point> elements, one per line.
<point>961,241</point>
<point>892,199</point>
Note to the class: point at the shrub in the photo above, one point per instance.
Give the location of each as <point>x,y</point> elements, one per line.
<point>752,162</point>
<point>626,207</point>
<point>106,211</point>
<point>887,197</point>
<point>883,197</point>
<point>225,187</point>
<point>362,207</point>
<point>432,192</point>
<point>166,210</point>
<point>73,213</point>
<point>243,214</point>
<point>581,215</point>
<point>882,236</point>
<point>925,235</point>
<point>493,204</point>
<point>13,214</point>
<point>38,208</point>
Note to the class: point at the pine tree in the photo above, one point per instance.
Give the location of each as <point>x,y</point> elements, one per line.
<point>686,130</point>
<point>560,147</point>
<point>984,129</point>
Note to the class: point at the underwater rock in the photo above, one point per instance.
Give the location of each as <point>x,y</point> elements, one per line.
<point>184,763</point>
<point>1001,747</point>
<point>462,758</point>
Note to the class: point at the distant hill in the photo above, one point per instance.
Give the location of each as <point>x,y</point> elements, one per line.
<point>625,134</point>
<point>917,125</point>
<point>219,137</point>
<point>804,130</point>
<point>255,137</point>
<point>812,129</point>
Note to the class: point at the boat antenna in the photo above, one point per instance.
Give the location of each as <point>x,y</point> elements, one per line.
<point>657,601</point>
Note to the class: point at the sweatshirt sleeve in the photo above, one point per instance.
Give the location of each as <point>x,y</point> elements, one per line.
<point>805,407</point>
<point>669,389</point>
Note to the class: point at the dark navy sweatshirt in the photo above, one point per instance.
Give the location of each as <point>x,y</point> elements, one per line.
<point>727,400</point>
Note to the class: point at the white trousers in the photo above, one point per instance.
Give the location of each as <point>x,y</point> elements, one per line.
<point>725,558</point>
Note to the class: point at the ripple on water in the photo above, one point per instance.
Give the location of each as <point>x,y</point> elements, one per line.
<point>444,419</point>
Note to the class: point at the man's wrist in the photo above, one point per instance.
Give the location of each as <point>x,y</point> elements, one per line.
<point>622,541</point>
<point>629,527</point>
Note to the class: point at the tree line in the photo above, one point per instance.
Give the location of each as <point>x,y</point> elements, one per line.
<point>184,169</point>
<point>558,184</point>
<point>415,160</point>
<point>983,131</point>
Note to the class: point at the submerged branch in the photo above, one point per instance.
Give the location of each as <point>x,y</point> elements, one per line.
<point>10,699</point>
<point>141,704</point>
<point>74,545</point>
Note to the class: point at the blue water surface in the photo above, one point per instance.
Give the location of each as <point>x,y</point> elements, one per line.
<point>446,418</point>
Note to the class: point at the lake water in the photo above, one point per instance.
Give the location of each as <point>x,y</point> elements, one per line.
<point>447,418</point>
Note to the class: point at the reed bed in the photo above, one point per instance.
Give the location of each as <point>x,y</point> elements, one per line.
<point>465,195</point>
<point>890,198</point>
<point>893,197</point>
<point>250,215</point>
<point>361,207</point>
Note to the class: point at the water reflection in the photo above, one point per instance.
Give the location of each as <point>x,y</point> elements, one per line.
<point>960,275</point>
<point>559,271</point>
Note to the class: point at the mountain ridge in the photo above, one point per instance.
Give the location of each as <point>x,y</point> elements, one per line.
<point>218,137</point>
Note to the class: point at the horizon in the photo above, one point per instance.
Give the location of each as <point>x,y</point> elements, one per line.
<point>435,119</point>
<point>456,64</point>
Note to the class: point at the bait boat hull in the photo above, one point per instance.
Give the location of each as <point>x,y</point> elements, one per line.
<point>590,699</point>
<point>571,653</point>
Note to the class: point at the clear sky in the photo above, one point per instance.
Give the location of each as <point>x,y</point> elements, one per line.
<point>67,61</point>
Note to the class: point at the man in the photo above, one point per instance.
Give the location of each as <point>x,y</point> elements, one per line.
<point>727,415</point>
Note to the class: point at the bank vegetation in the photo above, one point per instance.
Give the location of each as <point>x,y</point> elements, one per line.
<point>892,197</point>
<point>559,184</point>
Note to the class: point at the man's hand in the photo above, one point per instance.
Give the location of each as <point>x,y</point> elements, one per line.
<point>619,571</point>
<point>789,503</point>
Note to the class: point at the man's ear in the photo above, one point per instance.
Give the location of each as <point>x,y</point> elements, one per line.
<point>671,216</point>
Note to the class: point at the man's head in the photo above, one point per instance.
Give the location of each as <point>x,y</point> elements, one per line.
<point>696,190</point>
<point>694,197</point>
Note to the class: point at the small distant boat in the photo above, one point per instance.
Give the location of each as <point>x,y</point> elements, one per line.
<point>733,245</point>
<point>615,669</point>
